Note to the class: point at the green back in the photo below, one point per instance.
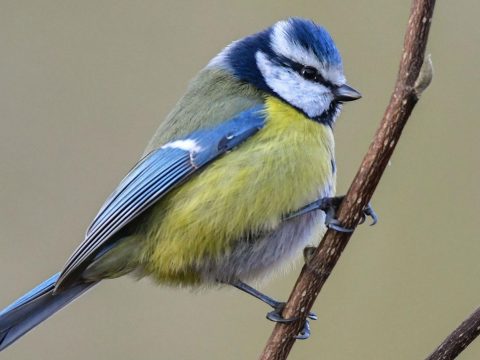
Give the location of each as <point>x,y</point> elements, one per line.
<point>212,97</point>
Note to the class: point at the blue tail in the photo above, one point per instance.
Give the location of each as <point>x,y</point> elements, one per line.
<point>34,307</point>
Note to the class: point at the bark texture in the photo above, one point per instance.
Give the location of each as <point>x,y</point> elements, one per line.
<point>459,339</point>
<point>411,81</point>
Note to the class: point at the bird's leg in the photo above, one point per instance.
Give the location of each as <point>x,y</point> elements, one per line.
<point>276,314</point>
<point>330,205</point>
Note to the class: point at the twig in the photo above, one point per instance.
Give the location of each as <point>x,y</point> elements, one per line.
<point>410,83</point>
<point>459,339</point>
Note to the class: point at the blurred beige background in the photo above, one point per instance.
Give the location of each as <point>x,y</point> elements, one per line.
<point>83,85</point>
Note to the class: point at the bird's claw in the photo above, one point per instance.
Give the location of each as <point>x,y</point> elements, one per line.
<point>334,224</point>
<point>330,205</point>
<point>304,334</point>
<point>369,212</point>
<point>276,316</point>
<point>278,306</point>
<point>331,209</point>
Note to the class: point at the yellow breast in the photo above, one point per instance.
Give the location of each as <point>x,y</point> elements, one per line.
<point>283,167</point>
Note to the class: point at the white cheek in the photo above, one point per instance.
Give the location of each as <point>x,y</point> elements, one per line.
<point>312,98</point>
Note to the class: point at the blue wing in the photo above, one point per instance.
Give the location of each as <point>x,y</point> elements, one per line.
<point>154,176</point>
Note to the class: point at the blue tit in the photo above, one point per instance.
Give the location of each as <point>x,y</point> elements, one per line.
<point>224,191</point>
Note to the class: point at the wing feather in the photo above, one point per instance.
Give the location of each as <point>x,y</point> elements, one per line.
<point>153,177</point>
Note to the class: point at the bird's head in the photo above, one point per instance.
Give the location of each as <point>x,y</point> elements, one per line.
<point>295,60</point>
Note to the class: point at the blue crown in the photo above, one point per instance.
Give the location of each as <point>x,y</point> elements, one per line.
<point>239,58</point>
<point>315,38</point>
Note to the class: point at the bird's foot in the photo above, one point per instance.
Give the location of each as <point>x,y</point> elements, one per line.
<point>330,205</point>
<point>276,316</point>
<point>278,306</point>
<point>333,223</point>
<point>369,212</point>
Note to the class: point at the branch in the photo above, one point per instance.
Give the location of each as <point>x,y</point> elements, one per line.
<point>459,339</point>
<point>410,83</point>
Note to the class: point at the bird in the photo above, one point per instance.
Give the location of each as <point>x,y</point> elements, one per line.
<point>238,179</point>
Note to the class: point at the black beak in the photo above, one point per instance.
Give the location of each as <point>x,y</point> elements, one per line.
<point>346,93</point>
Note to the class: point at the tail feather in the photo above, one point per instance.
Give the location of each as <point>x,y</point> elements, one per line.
<point>34,307</point>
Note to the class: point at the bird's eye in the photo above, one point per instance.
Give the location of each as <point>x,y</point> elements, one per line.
<point>309,73</point>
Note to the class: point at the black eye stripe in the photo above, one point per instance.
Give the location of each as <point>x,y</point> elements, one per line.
<point>311,74</point>
<point>297,67</point>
